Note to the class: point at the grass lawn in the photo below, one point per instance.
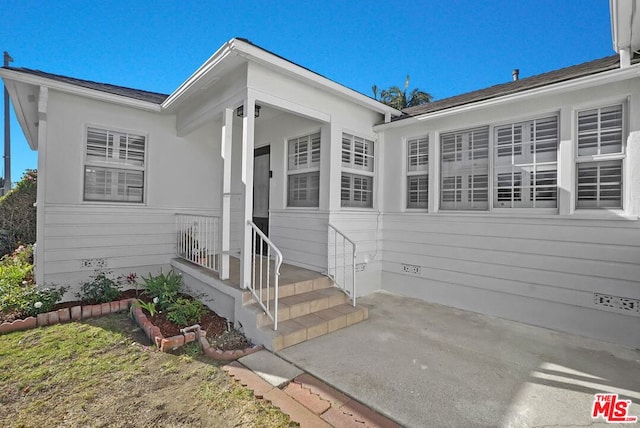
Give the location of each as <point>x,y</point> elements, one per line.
<point>102,373</point>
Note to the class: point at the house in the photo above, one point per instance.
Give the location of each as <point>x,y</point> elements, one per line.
<point>519,201</point>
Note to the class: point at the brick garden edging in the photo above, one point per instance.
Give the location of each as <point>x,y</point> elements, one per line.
<point>166,344</point>
<point>73,313</point>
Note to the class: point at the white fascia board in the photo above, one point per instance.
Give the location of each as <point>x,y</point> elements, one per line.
<point>623,17</point>
<point>616,75</point>
<point>260,56</point>
<point>78,90</point>
<point>21,114</point>
<point>199,75</point>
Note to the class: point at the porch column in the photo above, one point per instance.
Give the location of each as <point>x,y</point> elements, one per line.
<point>247,179</point>
<point>225,152</point>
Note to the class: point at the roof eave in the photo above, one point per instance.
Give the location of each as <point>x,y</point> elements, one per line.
<point>614,75</point>
<point>261,56</point>
<point>78,90</point>
<point>191,84</point>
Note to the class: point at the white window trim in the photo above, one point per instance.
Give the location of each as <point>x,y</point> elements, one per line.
<point>85,162</point>
<point>289,172</point>
<point>625,197</point>
<point>361,172</point>
<point>405,166</point>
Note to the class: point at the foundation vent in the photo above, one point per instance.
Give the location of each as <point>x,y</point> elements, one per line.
<point>94,263</point>
<point>411,269</point>
<point>620,304</point>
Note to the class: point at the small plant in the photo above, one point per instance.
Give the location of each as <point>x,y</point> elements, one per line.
<point>100,288</point>
<point>186,312</point>
<point>147,306</point>
<point>163,287</point>
<point>41,301</point>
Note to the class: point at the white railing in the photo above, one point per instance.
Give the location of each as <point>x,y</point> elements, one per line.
<point>198,240</point>
<point>263,268</point>
<point>341,263</point>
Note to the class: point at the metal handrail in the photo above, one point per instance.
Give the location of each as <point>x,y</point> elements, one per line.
<point>198,240</point>
<point>335,274</point>
<point>256,286</point>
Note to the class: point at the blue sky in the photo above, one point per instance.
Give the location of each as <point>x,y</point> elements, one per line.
<point>448,47</point>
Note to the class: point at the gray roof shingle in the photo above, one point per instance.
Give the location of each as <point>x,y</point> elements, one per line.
<point>556,76</point>
<point>152,97</point>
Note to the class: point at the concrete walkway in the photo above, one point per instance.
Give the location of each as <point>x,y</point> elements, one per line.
<point>426,365</point>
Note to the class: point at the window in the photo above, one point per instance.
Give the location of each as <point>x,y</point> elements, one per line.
<point>525,164</point>
<point>303,167</point>
<point>418,172</point>
<point>600,156</point>
<point>464,169</point>
<point>357,172</point>
<point>114,166</point>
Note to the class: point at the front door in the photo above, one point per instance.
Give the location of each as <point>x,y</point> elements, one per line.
<point>261,176</point>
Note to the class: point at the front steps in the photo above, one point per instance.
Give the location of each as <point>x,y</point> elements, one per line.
<point>306,309</point>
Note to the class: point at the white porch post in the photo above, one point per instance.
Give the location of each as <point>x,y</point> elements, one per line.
<point>225,152</point>
<point>247,179</point>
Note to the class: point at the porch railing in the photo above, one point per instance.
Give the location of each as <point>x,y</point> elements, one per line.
<point>341,263</point>
<point>266,260</point>
<point>198,240</point>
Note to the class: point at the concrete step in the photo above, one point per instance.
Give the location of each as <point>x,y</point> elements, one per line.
<point>298,305</point>
<point>287,290</point>
<point>312,325</point>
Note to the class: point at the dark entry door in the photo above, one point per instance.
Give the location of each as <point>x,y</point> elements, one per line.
<point>261,176</point>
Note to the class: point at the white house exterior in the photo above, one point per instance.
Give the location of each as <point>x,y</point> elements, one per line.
<point>519,201</point>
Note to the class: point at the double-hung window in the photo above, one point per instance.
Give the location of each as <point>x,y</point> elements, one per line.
<point>464,169</point>
<point>526,164</point>
<point>114,168</point>
<point>356,188</point>
<point>418,172</point>
<point>600,156</point>
<point>303,170</point>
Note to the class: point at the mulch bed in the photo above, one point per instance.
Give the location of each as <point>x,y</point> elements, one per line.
<point>217,327</point>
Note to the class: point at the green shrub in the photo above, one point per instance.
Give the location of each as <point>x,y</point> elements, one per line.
<point>18,214</point>
<point>100,288</point>
<point>186,312</point>
<point>163,287</point>
<point>18,293</point>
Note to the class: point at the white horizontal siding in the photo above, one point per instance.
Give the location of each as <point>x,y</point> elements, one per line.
<point>301,236</point>
<point>552,259</point>
<point>128,238</point>
<point>365,229</point>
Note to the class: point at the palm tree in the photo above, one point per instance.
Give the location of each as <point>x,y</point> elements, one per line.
<point>398,99</point>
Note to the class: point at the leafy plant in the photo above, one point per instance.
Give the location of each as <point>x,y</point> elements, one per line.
<point>164,287</point>
<point>147,306</point>
<point>186,312</point>
<point>40,301</point>
<point>18,214</point>
<point>100,288</point>
<point>18,293</point>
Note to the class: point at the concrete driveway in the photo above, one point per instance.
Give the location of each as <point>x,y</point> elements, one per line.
<point>426,365</point>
